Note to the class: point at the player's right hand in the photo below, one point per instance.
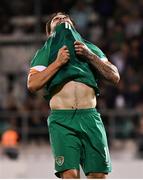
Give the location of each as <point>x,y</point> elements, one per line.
<point>63,55</point>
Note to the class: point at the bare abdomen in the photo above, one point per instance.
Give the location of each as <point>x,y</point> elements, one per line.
<point>73,95</point>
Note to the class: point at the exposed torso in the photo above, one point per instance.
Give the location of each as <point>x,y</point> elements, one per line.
<point>73,95</point>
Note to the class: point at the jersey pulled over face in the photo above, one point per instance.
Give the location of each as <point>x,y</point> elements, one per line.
<point>58,19</point>
<point>77,69</point>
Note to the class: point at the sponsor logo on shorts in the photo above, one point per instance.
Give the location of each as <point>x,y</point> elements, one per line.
<point>59,160</point>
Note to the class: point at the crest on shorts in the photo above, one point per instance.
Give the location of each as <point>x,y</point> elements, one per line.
<point>59,160</point>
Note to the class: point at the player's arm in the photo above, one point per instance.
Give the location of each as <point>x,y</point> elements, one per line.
<point>37,79</point>
<point>105,68</point>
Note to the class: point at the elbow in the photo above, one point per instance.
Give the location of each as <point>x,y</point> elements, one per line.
<point>31,88</point>
<point>116,79</point>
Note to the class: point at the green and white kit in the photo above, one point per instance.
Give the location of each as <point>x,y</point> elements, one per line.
<point>77,136</point>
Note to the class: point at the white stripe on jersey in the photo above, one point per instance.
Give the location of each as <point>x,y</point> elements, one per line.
<point>67,25</point>
<point>39,67</point>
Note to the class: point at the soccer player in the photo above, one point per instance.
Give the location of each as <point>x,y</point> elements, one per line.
<point>68,67</point>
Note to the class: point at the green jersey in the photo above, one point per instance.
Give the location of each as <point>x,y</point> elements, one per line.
<point>76,69</point>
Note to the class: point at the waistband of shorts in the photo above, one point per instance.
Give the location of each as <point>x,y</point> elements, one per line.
<point>71,111</point>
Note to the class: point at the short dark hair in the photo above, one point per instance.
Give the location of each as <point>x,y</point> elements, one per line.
<point>48,24</point>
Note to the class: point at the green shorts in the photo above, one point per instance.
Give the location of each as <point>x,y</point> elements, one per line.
<point>78,137</point>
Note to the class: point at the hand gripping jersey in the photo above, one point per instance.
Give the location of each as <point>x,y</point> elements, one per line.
<point>77,68</point>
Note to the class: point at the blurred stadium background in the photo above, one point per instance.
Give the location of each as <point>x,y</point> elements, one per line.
<point>116,26</point>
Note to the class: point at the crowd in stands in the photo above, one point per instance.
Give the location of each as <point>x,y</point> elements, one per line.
<point>116,26</point>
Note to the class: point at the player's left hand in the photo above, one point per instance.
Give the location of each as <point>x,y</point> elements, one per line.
<point>82,50</point>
